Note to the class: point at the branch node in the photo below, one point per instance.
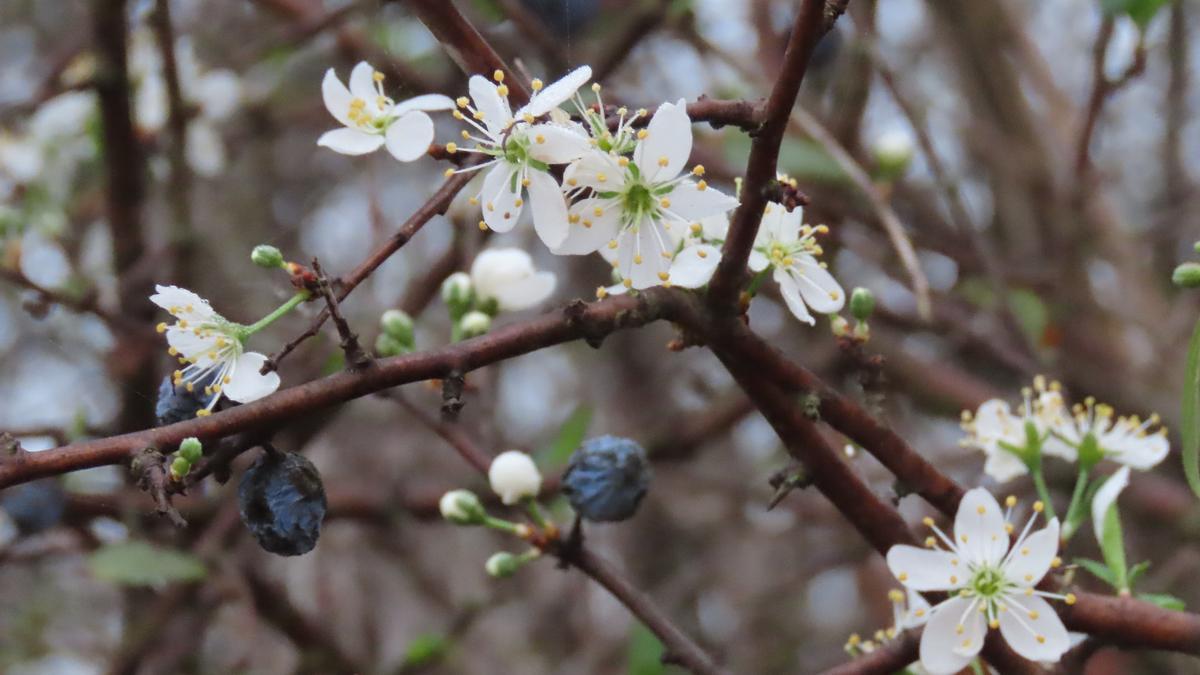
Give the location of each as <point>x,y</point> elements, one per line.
<point>150,467</point>
<point>356,358</point>
<point>452,392</point>
<point>791,477</point>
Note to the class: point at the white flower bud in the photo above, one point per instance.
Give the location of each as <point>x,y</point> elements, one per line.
<point>502,564</point>
<point>507,278</point>
<point>461,507</point>
<point>893,151</point>
<point>514,476</point>
<point>475,324</point>
<point>456,292</point>
<point>399,325</point>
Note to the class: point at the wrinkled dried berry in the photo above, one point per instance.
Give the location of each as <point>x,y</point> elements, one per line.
<point>607,478</point>
<point>282,503</point>
<point>177,404</point>
<point>35,506</point>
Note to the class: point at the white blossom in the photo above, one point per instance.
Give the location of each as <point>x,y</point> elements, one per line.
<point>790,249</point>
<point>521,151</point>
<point>641,207</point>
<point>507,277</point>
<point>211,350</point>
<point>372,120</point>
<point>1003,435</point>
<point>513,476</point>
<point>990,584</point>
<point>1125,440</point>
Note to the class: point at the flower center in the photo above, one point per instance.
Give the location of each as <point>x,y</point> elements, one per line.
<point>987,582</point>
<point>637,198</point>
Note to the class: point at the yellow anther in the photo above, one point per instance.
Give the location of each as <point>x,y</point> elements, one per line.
<point>702,253</point>
<point>665,203</point>
<point>702,186</point>
<point>598,211</point>
<point>664,276</point>
<point>895,595</point>
<point>357,104</point>
<point>172,351</point>
<point>498,75</point>
<point>162,327</point>
<point>1010,501</point>
<point>377,76</point>
<point>1041,639</point>
<point>528,117</point>
<point>902,577</point>
<point>536,85</point>
<point>601,177</point>
<point>573,218</point>
<point>931,542</point>
<point>1038,506</point>
<point>698,170</point>
<point>697,228</point>
<point>627,283</point>
<point>519,203</point>
<point>980,509</point>
<point>458,116</point>
<point>595,86</point>
<point>953,579</point>
<point>448,172</point>
<point>637,260</point>
<point>191,387</point>
<point>587,223</point>
<point>483,226</point>
<point>539,139</point>
<point>642,134</point>
<point>183,323</point>
<point>612,244</point>
<point>1056,562</point>
<point>1008,528</point>
<point>572,182</point>
<point>663,161</point>
<point>623,162</point>
<point>502,90</point>
<point>525,182</point>
<point>1070,599</point>
<point>203,413</point>
<point>927,521</point>
<point>993,624</point>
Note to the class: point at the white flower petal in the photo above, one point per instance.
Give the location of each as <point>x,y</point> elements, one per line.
<point>219,92</point>
<point>1025,619</point>
<point>1003,465</point>
<point>694,265</point>
<point>196,348</point>
<point>596,170</point>
<point>489,102</point>
<point>925,569</point>
<point>715,227</point>
<point>362,83</point>
<point>641,255</point>
<point>979,530</point>
<point>1105,497</point>
<point>350,141</point>
<point>500,209</point>
<point>944,649</point>
<point>525,293</point>
<point>557,92</point>
<point>182,303</point>
<point>337,97</point>
<point>408,137</point>
<point>818,287</point>
<point>758,261</point>
<point>791,296</point>
<point>1141,453</point>
<point>554,144</point>
<point>787,227</point>
<point>549,208</point>
<point>592,232</point>
<point>690,204</point>
<point>1030,562</point>
<point>668,140</point>
<point>918,611</point>
<point>246,384</point>
<point>426,102</point>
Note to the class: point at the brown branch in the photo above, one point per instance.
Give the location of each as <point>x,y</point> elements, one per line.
<point>356,358</point>
<point>764,154</point>
<point>577,321</point>
<point>890,657</point>
<point>1102,88</point>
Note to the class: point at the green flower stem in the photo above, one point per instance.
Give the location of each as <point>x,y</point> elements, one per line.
<point>500,524</point>
<point>279,311</point>
<point>1076,510</point>
<point>757,281</point>
<point>1039,483</point>
<point>535,512</point>
<point>455,330</point>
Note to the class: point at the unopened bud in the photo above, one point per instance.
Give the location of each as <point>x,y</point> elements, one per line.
<point>267,256</point>
<point>1187,275</point>
<point>462,507</point>
<point>474,324</point>
<point>386,345</point>
<point>862,303</point>
<point>839,325</point>
<point>191,449</point>
<point>503,564</point>
<point>399,325</point>
<point>180,468</point>
<point>456,292</point>
<point>893,152</point>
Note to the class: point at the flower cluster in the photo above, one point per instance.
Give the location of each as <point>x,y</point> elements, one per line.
<point>991,584</point>
<point>625,193</point>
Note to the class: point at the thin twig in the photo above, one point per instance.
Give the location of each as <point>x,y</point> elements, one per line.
<point>356,358</point>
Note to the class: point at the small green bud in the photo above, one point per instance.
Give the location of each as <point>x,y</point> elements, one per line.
<point>862,303</point>
<point>456,292</point>
<point>462,507</point>
<point>265,255</point>
<point>398,324</point>
<point>474,324</point>
<point>893,153</point>
<point>180,467</point>
<point>191,449</point>
<point>386,345</point>
<point>1187,275</point>
<point>503,564</point>
<point>839,325</point>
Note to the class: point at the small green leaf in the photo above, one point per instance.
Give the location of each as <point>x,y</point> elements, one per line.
<point>1098,570</point>
<point>1164,600</point>
<point>645,652</point>
<point>570,435</point>
<point>426,649</point>
<point>1141,11</point>
<point>1137,571</point>
<point>1190,427</point>
<point>1030,311</point>
<point>137,563</point>
<point>1113,548</point>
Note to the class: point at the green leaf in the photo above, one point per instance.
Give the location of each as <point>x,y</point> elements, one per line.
<point>426,649</point>
<point>1098,570</point>
<point>1137,571</point>
<point>1190,427</point>
<point>1141,11</point>
<point>1164,600</point>
<point>137,563</point>
<point>645,652</point>
<point>570,435</point>
<point>1031,313</point>
<point>1113,548</point>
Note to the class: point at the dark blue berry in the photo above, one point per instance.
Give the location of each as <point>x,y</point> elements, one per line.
<point>177,404</point>
<point>282,503</point>
<point>35,506</point>
<point>607,478</point>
